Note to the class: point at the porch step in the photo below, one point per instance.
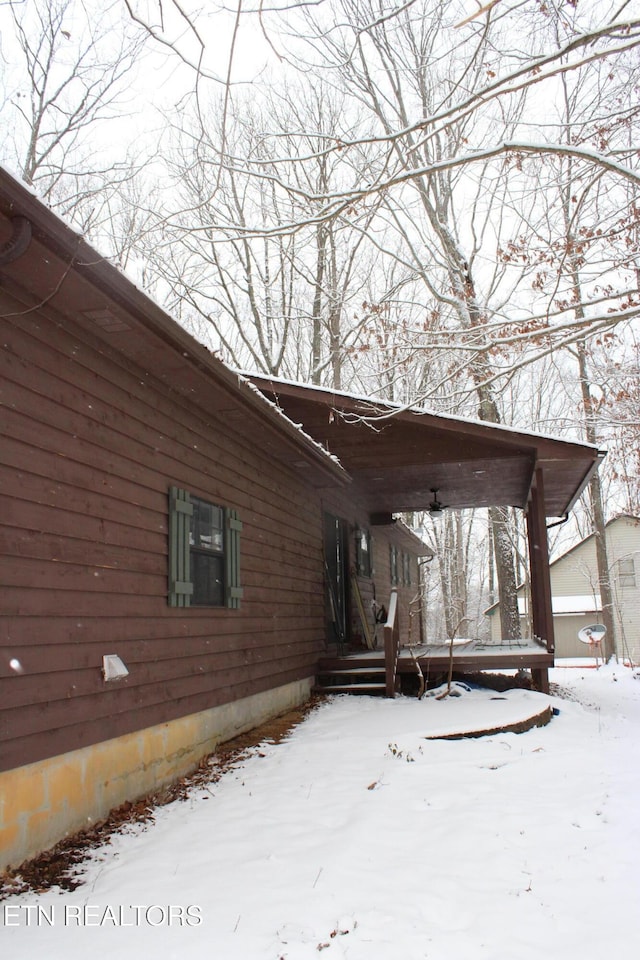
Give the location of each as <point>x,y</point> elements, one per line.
<point>354,672</point>
<point>351,675</point>
<point>372,662</point>
<point>370,689</point>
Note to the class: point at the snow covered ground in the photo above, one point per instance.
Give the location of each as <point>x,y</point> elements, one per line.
<point>359,838</point>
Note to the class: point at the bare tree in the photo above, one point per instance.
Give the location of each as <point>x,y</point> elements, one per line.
<point>615,400</point>
<point>592,244</point>
<point>450,189</point>
<point>67,77</point>
<point>388,68</point>
<point>281,303</point>
<point>445,92</point>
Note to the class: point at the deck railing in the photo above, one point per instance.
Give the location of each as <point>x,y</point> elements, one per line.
<point>391,645</point>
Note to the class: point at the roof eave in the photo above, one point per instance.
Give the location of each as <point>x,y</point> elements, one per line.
<point>595,466</point>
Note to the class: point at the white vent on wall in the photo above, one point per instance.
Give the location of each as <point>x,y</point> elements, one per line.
<point>113,668</point>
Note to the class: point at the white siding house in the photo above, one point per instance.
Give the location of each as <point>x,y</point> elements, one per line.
<point>576,598</point>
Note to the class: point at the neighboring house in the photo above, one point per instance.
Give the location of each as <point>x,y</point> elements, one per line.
<point>576,596</point>
<point>158,509</point>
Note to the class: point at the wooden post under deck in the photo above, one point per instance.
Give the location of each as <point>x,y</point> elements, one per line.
<point>540,578</point>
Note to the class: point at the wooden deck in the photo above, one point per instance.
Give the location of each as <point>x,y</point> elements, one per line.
<point>476,655</point>
<point>363,671</point>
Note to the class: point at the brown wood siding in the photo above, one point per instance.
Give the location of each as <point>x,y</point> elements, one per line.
<point>348,506</point>
<point>90,447</point>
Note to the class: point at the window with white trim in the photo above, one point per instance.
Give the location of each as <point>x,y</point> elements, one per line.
<point>626,572</point>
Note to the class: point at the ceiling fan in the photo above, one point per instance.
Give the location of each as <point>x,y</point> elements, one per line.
<point>436,506</point>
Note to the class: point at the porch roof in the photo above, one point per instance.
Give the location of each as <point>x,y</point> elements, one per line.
<point>397,456</point>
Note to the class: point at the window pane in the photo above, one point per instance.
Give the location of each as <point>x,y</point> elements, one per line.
<point>626,572</point>
<point>363,553</point>
<point>207,526</point>
<point>393,560</point>
<point>207,574</point>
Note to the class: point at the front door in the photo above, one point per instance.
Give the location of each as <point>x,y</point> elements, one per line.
<point>336,574</point>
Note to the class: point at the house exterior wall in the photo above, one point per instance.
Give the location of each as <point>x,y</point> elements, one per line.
<point>42,802</point>
<point>567,627</point>
<point>624,551</point>
<point>574,582</point>
<point>408,588</point>
<point>379,585</point>
<point>91,445</point>
<point>575,575</point>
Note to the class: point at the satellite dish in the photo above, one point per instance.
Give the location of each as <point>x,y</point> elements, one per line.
<point>592,634</point>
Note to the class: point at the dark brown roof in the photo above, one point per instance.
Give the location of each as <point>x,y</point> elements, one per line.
<point>398,456</point>
<point>394,456</point>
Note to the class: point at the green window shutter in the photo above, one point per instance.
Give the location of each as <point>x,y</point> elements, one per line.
<point>180,512</point>
<point>232,559</point>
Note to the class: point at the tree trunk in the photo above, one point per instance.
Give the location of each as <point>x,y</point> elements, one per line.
<point>505,574</point>
<point>597,507</point>
<point>316,344</point>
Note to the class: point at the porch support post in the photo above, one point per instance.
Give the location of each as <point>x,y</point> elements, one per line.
<point>391,645</point>
<point>540,578</point>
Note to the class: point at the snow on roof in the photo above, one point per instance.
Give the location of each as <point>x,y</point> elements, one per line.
<point>244,376</point>
<point>415,408</point>
<point>387,407</point>
<point>564,606</point>
<point>245,382</point>
<point>587,603</point>
<point>5,168</point>
<point>415,535</point>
